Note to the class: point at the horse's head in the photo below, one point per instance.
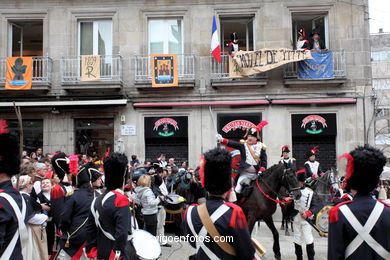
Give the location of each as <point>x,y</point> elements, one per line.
<point>334,180</point>
<point>290,182</point>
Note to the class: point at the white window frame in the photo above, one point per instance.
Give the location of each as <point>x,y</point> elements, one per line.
<point>95,39</point>
<point>165,44</point>
<point>250,16</point>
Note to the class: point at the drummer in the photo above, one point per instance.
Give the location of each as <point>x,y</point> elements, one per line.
<point>229,219</point>
<point>109,226</point>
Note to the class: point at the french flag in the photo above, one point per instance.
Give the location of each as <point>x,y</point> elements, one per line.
<point>215,48</point>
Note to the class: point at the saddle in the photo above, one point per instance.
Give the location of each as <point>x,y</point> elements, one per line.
<point>247,188</point>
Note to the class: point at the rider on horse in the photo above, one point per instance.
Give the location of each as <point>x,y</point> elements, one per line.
<point>253,155</point>
<point>289,163</point>
<point>312,167</point>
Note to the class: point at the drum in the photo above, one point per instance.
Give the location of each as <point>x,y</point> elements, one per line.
<point>174,203</point>
<point>322,220</point>
<point>146,245</point>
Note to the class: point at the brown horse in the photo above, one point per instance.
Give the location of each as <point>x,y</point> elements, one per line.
<point>259,207</point>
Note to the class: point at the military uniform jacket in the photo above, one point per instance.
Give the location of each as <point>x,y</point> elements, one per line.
<point>74,220</point>
<point>372,216</point>
<point>114,215</point>
<point>246,160</point>
<point>312,168</point>
<point>289,163</point>
<point>9,221</point>
<point>58,195</point>
<point>232,223</point>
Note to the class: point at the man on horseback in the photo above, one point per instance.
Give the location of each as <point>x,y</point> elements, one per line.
<point>289,163</point>
<point>253,156</point>
<point>358,228</point>
<point>312,167</point>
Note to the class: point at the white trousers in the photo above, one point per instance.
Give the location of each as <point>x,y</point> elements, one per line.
<point>302,231</point>
<point>161,215</point>
<point>241,178</point>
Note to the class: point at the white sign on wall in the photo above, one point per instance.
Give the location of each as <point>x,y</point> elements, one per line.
<point>128,130</point>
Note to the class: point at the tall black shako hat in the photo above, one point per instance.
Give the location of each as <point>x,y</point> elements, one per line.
<point>216,171</point>
<point>87,174</point>
<point>60,164</point>
<point>9,152</point>
<point>233,36</point>
<point>285,149</point>
<point>301,175</point>
<point>255,131</point>
<point>363,168</point>
<point>313,151</point>
<point>115,170</point>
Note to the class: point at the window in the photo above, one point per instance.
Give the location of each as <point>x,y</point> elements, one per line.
<point>379,84</point>
<point>165,36</point>
<point>310,22</point>
<point>243,26</point>
<point>32,133</point>
<point>25,38</point>
<point>379,56</point>
<point>94,136</point>
<point>95,38</point>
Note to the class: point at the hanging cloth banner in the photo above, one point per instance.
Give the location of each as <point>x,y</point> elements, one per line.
<point>90,67</point>
<point>320,67</point>
<point>246,63</point>
<point>164,70</point>
<point>19,73</point>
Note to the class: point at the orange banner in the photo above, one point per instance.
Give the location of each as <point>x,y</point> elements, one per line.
<point>19,73</point>
<point>164,70</point>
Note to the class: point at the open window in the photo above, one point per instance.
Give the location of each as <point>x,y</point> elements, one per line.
<point>95,37</point>
<point>243,26</point>
<point>165,36</point>
<point>25,38</point>
<point>310,22</point>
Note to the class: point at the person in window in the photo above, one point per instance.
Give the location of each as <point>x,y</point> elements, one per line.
<point>316,44</point>
<point>302,44</point>
<point>233,44</point>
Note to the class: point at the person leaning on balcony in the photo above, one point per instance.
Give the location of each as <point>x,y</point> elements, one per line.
<point>302,43</point>
<point>316,44</point>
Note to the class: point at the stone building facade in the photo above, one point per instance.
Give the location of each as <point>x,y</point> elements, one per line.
<point>122,109</point>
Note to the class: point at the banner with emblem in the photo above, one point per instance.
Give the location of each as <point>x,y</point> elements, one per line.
<point>164,70</point>
<point>19,73</point>
<point>320,67</point>
<point>90,67</point>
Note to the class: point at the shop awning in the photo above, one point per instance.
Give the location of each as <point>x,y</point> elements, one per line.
<point>314,101</point>
<point>112,102</point>
<point>203,103</point>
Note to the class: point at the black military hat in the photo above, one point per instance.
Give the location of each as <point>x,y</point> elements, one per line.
<point>285,149</point>
<point>87,173</point>
<point>302,32</point>
<point>60,163</point>
<point>216,171</point>
<point>301,175</point>
<point>255,131</point>
<point>363,168</point>
<point>9,151</point>
<point>313,151</point>
<point>233,36</point>
<point>115,170</point>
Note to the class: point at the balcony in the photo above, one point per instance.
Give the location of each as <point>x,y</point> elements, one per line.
<point>220,75</point>
<point>110,74</point>
<point>339,70</point>
<point>41,74</point>
<point>186,68</point>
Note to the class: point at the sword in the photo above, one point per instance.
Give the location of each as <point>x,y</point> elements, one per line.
<point>321,233</point>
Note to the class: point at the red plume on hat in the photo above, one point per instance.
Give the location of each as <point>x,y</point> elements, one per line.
<point>261,125</point>
<point>3,127</point>
<point>73,164</point>
<point>201,169</point>
<point>349,169</point>
<point>314,150</point>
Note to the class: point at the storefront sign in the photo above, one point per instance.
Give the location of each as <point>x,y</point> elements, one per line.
<point>19,73</point>
<point>314,124</point>
<point>128,130</point>
<point>164,70</point>
<point>246,63</point>
<point>166,127</point>
<point>235,125</point>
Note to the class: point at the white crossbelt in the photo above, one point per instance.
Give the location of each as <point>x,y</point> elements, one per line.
<point>364,232</point>
<point>203,232</point>
<point>22,230</point>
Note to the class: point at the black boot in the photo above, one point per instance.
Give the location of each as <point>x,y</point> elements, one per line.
<point>298,251</point>
<point>310,251</point>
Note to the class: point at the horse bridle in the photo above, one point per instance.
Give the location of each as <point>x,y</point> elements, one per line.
<point>290,190</point>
